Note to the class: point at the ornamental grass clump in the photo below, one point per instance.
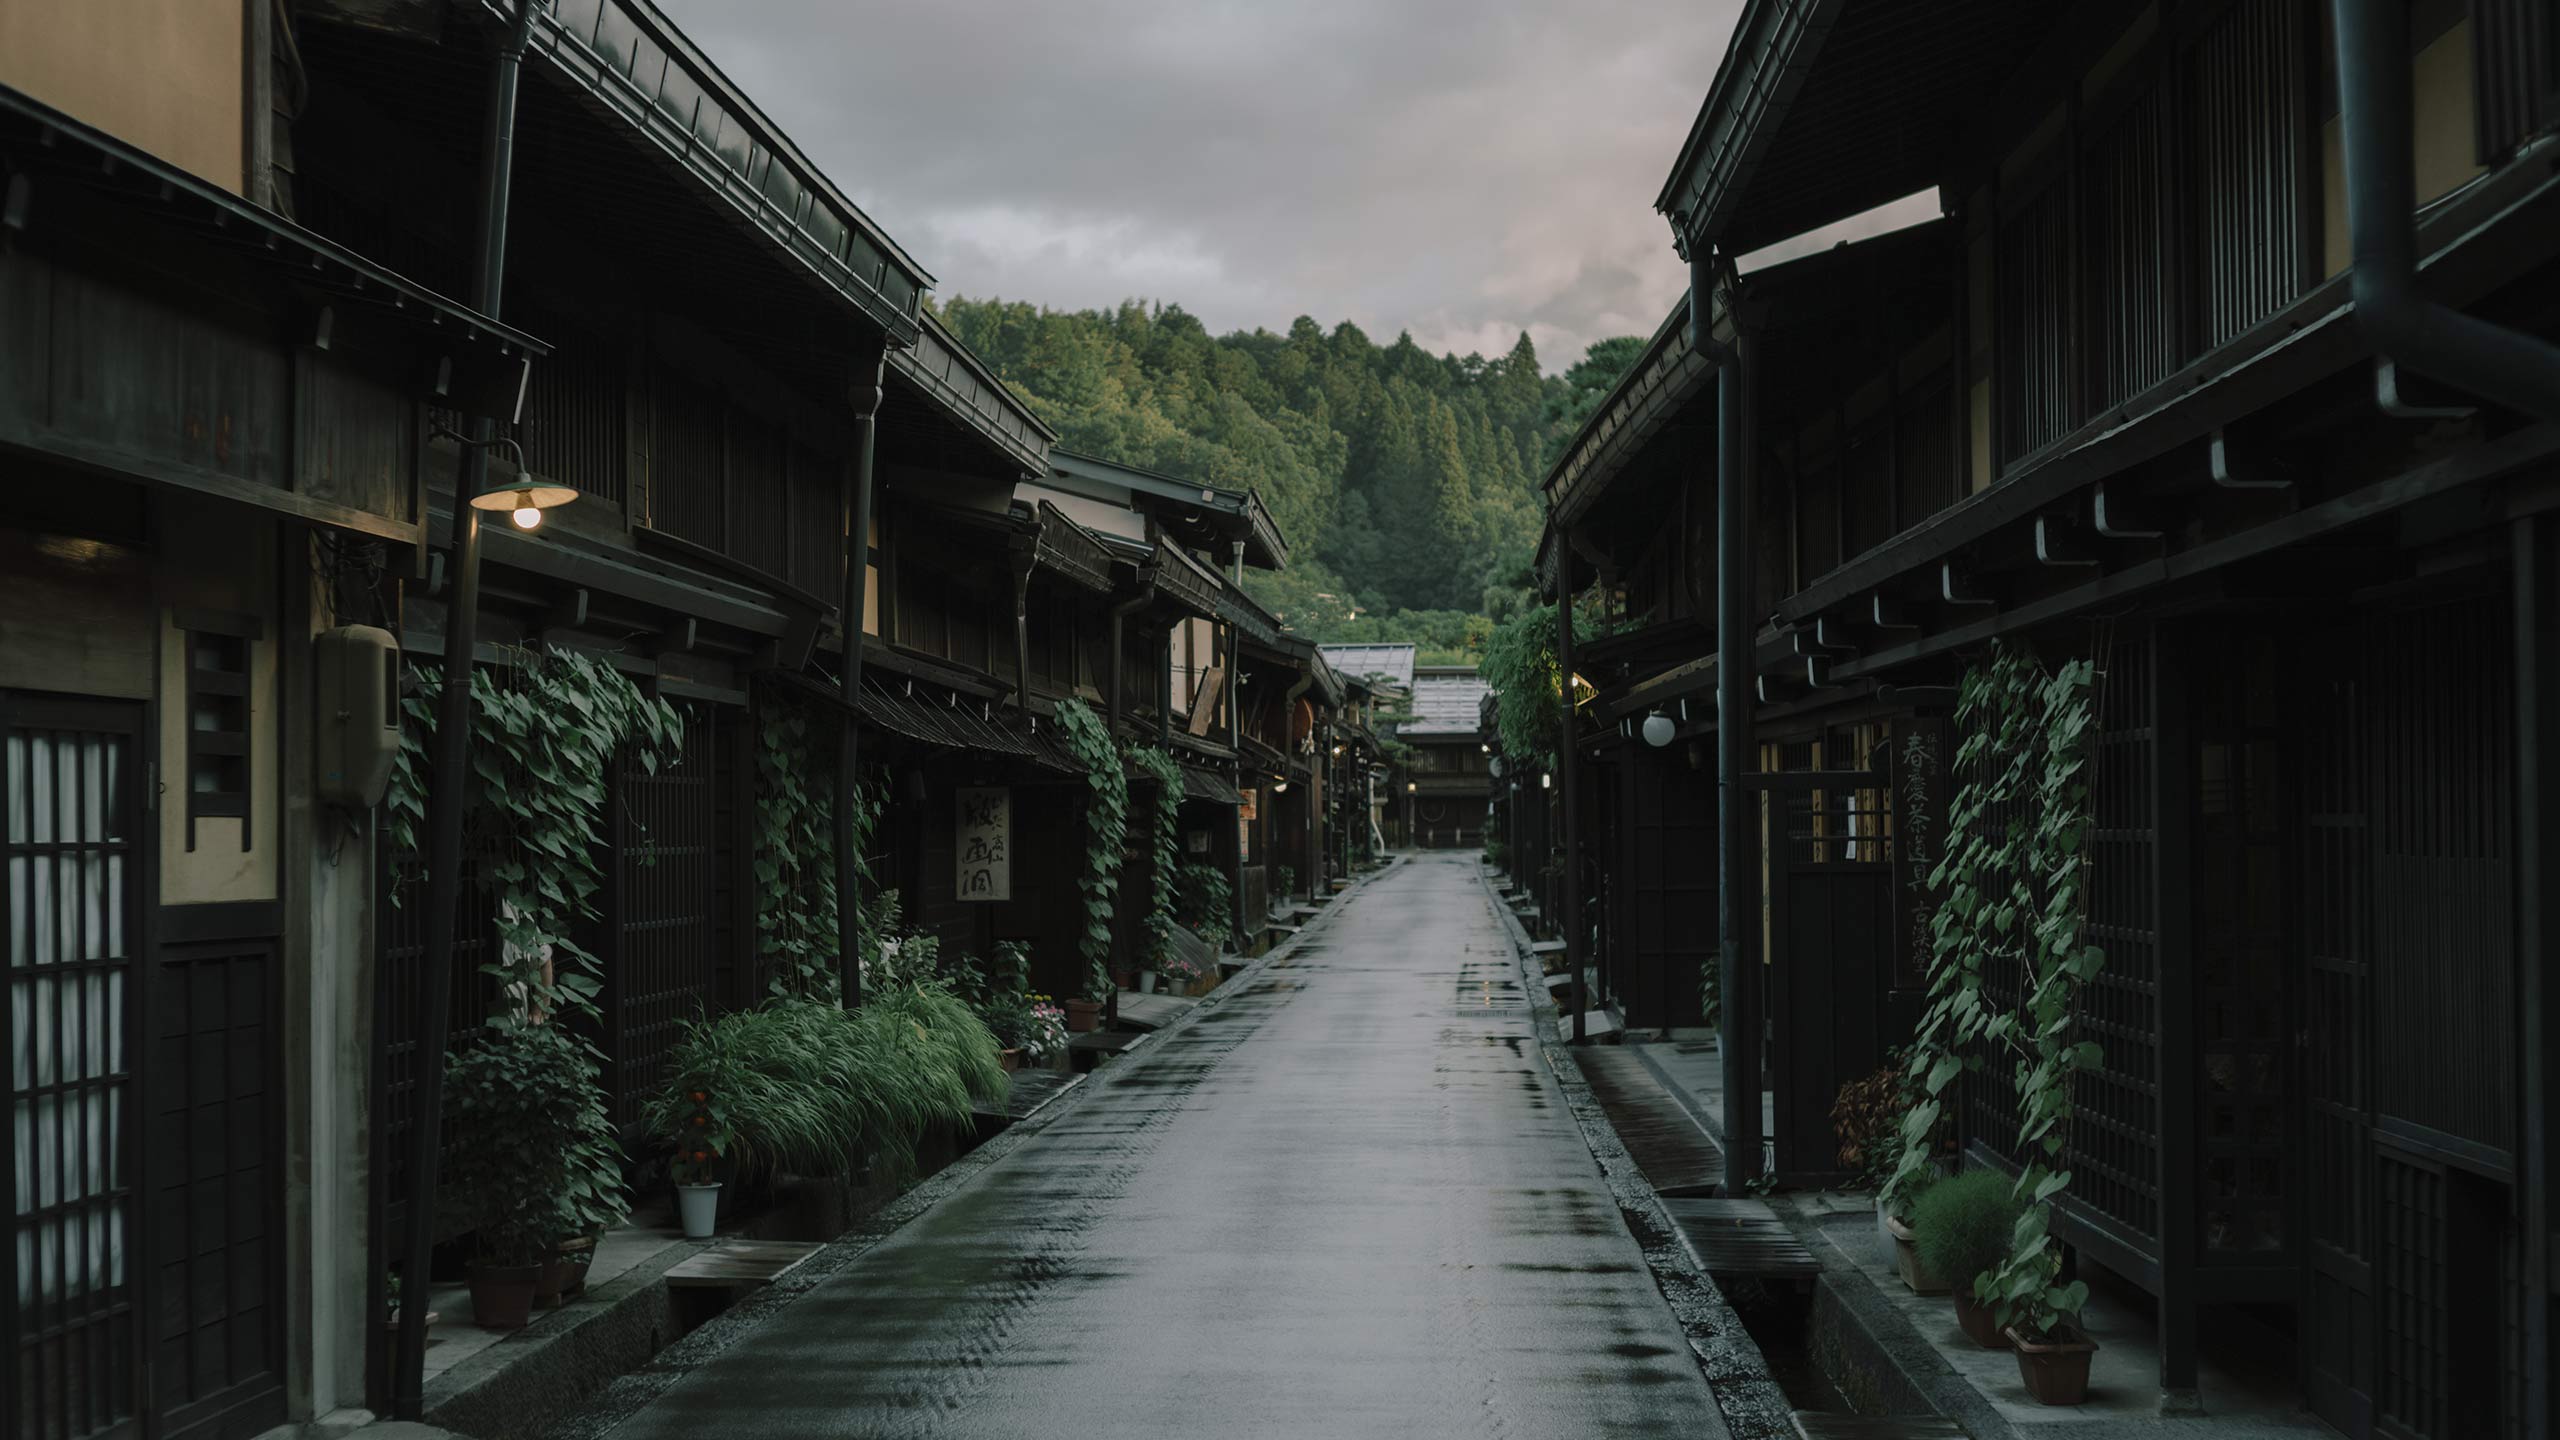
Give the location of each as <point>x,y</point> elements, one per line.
<point>806,1088</point>
<point>1962,1226</point>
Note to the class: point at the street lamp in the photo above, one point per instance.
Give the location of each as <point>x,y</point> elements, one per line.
<point>523,498</point>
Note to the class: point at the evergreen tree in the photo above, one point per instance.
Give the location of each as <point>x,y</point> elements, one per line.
<point>1407,483</point>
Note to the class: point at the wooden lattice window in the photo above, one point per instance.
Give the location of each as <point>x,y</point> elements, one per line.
<point>2248,162</point>
<point>2131,250</point>
<point>2115,1133</point>
<point>220,653</point>
<point>2033,293</point>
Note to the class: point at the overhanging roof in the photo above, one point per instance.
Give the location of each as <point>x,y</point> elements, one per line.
<point>1070,551</point>
<point>50,149</point>
<point>634,60</point>
<point>945,369</point>
<point>1203,515</point>
<point>1822,109</point>
<point>1648,397</point>
<point>1185,581</point>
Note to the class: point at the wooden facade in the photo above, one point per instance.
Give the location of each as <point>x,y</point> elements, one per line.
<point>225,427</point>
<point>2121,402</point>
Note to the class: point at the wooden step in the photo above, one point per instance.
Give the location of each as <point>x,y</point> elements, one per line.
<point>1740,1237</point>
<point>1676,1156</point>
<point>737,1263</point>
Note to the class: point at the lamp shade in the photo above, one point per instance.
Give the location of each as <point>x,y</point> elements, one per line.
<point>1658,729</point>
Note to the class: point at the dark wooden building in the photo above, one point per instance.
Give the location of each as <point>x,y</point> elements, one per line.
<point>2228,366</point>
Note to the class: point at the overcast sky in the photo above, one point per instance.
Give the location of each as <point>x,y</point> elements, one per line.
<point>1465,169</point>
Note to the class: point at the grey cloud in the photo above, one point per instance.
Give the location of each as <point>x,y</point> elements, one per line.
<point>1466,170</point>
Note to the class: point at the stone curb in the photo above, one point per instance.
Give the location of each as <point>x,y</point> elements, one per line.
<point>1752,1405</point>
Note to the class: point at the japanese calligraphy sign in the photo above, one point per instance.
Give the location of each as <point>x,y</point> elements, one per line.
<point>982,844</point>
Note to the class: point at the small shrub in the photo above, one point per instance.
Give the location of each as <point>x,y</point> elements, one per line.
<point>533,1160</point>
<point>1866,1117</point>
<point>1205,901</point>
<point>1961,1225</point>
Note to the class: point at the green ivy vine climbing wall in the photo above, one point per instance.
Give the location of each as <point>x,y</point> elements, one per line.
<point>1164,835</point>
<point>545,730</point>
<point>1106,815</point>
<point>2011,881</point>
<point>795,852</point>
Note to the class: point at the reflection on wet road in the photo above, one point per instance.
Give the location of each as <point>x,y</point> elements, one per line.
<point>1346,1201</point>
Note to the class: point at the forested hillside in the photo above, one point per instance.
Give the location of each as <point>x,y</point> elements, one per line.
<point>1406,482</point>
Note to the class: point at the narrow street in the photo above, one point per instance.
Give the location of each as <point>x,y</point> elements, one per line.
<point>1343,1202</point>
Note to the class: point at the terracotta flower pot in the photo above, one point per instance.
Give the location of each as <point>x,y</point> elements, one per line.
<point>549,1278</point>
<point>1011,1060</point>
<point>1977,1320</point>
<point>1906,1258</point>
<point>1083,1016</point>
<point>2055,1370</point>
<point>502,1295</point>
<point>576,1255</point>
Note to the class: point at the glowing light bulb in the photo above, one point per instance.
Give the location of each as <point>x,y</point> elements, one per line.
<point>526,517</point>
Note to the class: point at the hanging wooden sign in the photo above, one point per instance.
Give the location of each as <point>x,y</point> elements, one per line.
<point>983,842</point>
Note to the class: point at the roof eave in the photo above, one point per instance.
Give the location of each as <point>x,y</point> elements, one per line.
<point>1774,44</point>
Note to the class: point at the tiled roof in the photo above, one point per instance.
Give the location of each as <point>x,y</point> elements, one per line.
<point>1390,663</point>
<point>1445,702</point>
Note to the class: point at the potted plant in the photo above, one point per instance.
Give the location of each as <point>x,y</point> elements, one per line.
<point>1897,1205</point>
<point>520,1097</point>
<point>1963,1225</point>
<point>696,1112</point>
<point>2040,1317</point>
<point>1182,974</point>
<point>592,1201</point>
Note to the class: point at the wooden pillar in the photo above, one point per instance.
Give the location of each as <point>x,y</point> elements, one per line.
<point>2173,911</point>
<point>1569,772</point>
<point>1737,838</point>
<point>2536,557</point>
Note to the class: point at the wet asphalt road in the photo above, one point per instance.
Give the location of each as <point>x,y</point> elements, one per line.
<point>1347,1201</point>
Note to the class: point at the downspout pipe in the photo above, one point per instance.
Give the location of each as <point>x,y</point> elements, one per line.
<point>1235,743</point>
<point>2491,361</point>
<point>1115,708</point>
<point>446,793</point>
<point>1569,768</point>
<point>1022,566</point>
<point>1737,888</point>
<point>869,364</point>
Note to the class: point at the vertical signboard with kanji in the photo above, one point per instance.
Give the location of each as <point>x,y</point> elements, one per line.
<point>984,844</point>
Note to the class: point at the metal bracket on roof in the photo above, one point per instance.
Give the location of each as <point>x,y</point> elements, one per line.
<point>2233,473</point>
<point>1957,588</point>
<point>2057,543</point>
<point>2118,520</point>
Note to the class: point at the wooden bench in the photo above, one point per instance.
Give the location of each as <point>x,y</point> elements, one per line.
<point>737,1264</point>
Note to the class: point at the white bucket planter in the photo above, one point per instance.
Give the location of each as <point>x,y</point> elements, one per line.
<point>1146,982</point>
<point>698,1206</point>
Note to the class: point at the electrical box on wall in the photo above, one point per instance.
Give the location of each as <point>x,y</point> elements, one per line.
<point>356,680</point>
